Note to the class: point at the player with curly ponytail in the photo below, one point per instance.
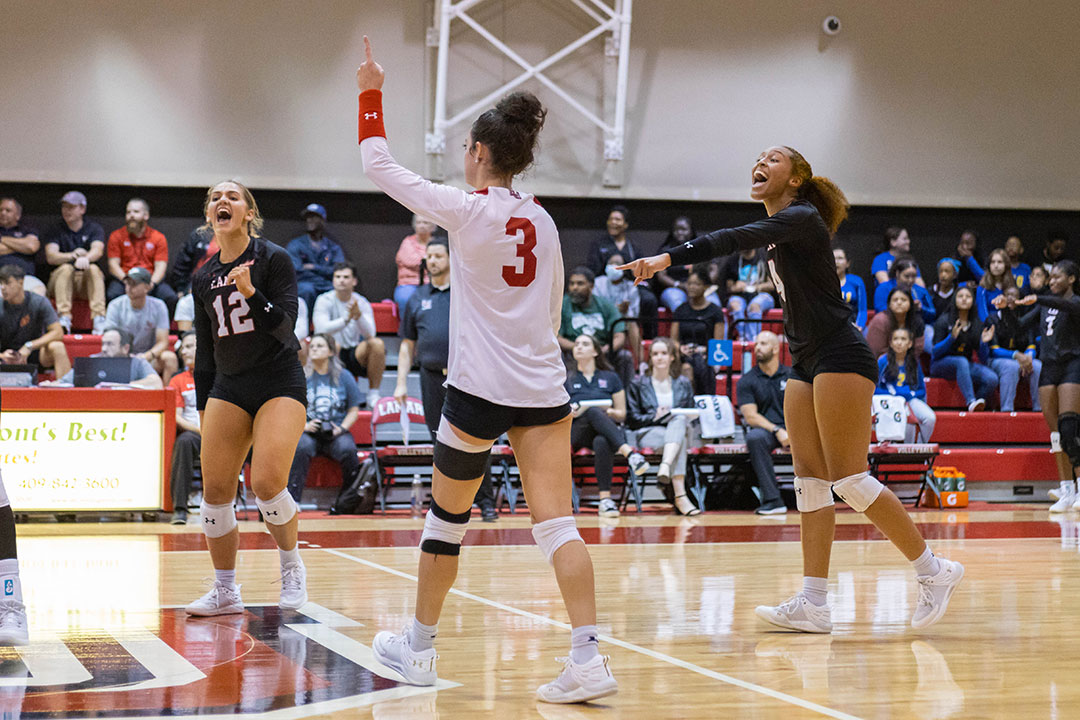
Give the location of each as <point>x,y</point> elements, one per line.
<point>827,403</point>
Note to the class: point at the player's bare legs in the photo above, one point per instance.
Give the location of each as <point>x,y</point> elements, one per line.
<point>818,526</point>
<point>275,433</point>
<point>224,449</point>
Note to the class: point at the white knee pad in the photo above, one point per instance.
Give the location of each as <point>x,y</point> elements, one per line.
<point>217,520</point>
<point>551,535</point>
<point>279,509</point>
<point>859,491</point>
<point>443,531</point>
<point>812,494</point>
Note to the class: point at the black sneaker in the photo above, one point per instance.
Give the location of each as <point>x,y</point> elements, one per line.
<point>179,517</point>
<point>773,507</point>
<point>488,514</point>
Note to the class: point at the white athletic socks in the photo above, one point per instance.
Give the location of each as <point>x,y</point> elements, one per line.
<point>584,643</point>
<point>289,556</point>
<point>816,590</point>
<point>927,564</point>
<point>421,636</point>
<point>226,577</point>
<point>10,585</point>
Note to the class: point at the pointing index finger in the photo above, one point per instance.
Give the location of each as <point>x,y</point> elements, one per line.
<point>367,49</point>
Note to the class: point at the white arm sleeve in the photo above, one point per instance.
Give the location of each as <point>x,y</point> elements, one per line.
<point>302,322</point>
<point>321,318</point>
<point>366,319</point>
<point>448,206</point>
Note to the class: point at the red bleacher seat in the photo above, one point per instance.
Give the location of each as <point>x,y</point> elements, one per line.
<point>998,428</point>
<point>722,387</point>
<point>80,315</point>
<point>386,317</point>
<point>1002,464</point>
<point>941,393</point>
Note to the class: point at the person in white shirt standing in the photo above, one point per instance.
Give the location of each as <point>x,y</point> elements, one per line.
<point>348,316</point>
<point>506,375</point>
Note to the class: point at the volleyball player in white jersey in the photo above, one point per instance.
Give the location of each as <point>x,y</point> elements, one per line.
<point>506,375</point>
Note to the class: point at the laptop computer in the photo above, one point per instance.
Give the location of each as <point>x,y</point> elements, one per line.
<point>89,371</point>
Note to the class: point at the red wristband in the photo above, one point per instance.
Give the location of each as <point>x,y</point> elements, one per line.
<point>370,118</point>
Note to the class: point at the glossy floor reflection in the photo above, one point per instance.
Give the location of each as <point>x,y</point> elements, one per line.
<point>109,639</point>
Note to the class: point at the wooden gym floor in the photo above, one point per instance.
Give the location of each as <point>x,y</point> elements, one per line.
<point>675,597</point>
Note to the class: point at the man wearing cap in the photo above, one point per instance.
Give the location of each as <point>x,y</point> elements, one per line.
<point>314,256</point>
<point>30,332</point>
<point>139,245</point>
<point>147,319</point>
<point>73,250</point>
<point>19,243</point>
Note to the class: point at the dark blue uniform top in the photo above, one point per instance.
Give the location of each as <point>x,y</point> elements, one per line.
<point>427,323</point>
<point>603,386</point>
<point>1059,327</point>
<point>68,240</point>
<point>765,391</point>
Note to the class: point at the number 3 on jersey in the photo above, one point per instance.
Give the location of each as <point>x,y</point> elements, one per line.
<point>510,273</point>
<point>238,319</point>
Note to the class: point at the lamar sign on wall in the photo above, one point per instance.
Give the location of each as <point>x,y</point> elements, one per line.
<point>69,461</point>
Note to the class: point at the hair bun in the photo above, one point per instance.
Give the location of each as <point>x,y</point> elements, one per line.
<point>525,108</point>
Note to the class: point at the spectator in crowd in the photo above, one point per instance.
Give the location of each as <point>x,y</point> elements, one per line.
<point>117,343</point>
<point>1012,354</point>
<point>670,284</point>
<point>960,336</point>
<point>617,287</point>
<point>942,292</point>
<point>852,288</point>
<point>1021,271</point>
<point>1053,251</point>
<point>74,249</point>
<point>651,400</point>
<point>139,245</point>
<point>314,256</point>
<point>147,319</point>
<point>584,312</point>
<point>696,322</point>
<point>903,274</point>
<point>425,337</point>
<point>410,255</point>
<point>598,427</point>
<point>995,280</point>
<point>971,260</point>
<point>30,332</point>
<point>897,245</point>
<point>897,314</point>
<point>901,374</point>
<point>347,315</point>
<point>1039,281</point>
<point>332,407</point>
<point>19,244</point>
<point>199,248</point>
<point>745,277</point>
<point>616,240</point>
<point>188,443</point>
<point>761,401</point>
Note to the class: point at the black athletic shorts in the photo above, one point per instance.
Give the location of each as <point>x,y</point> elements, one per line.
<point>486,420</point>
<point>844,352</point>
<point>251,390</point>
<point>1059,372</point>
<point>348,359</point>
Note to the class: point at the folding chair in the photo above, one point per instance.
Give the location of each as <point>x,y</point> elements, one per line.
<point>387,427</point>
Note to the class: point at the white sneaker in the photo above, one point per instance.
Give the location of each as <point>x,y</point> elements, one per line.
<point>580,683</point>
<point>372,398</point>
<point>65,322</point>
<point>797,613</point>
<point>393,651</point>
<point>608,508</point>
<point>99,325</point>
<point>1066,500</point>
<point>13,629</point>
<point>1056,493</point>
<point>221,600</point>
<point>934,593</point>
<point>1076,503</point>
<point>293,586</point>
<point>976,405</point>
<point>638,463</point>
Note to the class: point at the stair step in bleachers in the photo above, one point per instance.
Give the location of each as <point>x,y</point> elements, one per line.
<point>941,393</point>
<point>1009,464</point>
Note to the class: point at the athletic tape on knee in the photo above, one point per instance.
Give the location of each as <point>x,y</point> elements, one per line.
<point>444,531</point>
<point>217,520</point>
<point>858,491</point>
<point>812,494</point>
<point>551,535</point>
<point>459,465</point>
<point>1069,428</point>
<point>279,509</point>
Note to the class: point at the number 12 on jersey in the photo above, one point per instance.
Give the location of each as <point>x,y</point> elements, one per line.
<point>510,273</point>
<point>239,322</point>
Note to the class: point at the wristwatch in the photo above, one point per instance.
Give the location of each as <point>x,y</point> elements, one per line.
<point>29,345</point>
<point>776,429</point>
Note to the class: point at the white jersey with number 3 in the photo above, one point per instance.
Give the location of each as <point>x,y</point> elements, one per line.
<point>507,274</point>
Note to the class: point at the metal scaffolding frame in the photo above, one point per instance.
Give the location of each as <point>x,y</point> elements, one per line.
<point>612,24</point>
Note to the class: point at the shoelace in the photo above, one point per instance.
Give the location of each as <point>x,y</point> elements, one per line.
<point>12,614</point>
<point>926,595</point>
<point>790,605</point>
<point>291,578</point>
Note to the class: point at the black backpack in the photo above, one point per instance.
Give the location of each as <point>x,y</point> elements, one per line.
<point>358,497</point>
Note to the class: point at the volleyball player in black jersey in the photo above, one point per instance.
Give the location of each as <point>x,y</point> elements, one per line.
<point>250,392</point>
<point>1058,318</point>
<point>827,403</point>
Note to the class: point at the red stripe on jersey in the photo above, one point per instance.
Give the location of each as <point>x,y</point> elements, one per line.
<point>370,117</point>
<point>480,192</point>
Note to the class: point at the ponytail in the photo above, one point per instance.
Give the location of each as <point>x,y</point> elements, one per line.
<point>819,191</point>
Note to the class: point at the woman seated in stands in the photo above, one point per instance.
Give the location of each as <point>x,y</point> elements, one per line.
<point>597,426</point>
<point>410,254</point>
<point>652,397</point>
<point>903,274</point>
<point>997,278</point>
<point>961,336</point>
<point>333,404</point>
<point>670,284</point>
<point>897,314</point>
<point>942,292</point>
<point>696,322</point>
<point>1012,352</point>
<point>901,375</point>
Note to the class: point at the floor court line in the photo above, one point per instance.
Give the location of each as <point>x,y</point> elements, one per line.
<point>761,690</point>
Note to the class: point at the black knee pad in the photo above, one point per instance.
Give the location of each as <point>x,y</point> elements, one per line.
<point>458,464</point>
<point>1069,429</point>
<point>444,531</point>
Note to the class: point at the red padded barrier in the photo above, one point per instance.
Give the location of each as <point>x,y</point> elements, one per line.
<point>1001,464</point>
<point>1003,428</point>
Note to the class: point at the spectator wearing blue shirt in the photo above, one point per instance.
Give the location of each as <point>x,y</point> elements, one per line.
<point>897,245</point>
<point>961,337</point>
<point>314,256</point>
<point>1021,270</point>
<point>1012,355</point>
<point>904,273</point>
<point>852,289</point>
<point>967,252</point>
<point>901,375</point>
<point>333,404</point>
<point>997,278</point>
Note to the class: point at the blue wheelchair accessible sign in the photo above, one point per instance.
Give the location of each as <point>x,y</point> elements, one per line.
<point>720,353</point>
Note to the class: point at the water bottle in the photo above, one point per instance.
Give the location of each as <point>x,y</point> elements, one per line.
<point>961,483</point>
<point>417,496</point>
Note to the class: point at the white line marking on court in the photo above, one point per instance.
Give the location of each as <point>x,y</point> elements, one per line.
<point>775,694</point>
<point>168,667</point>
